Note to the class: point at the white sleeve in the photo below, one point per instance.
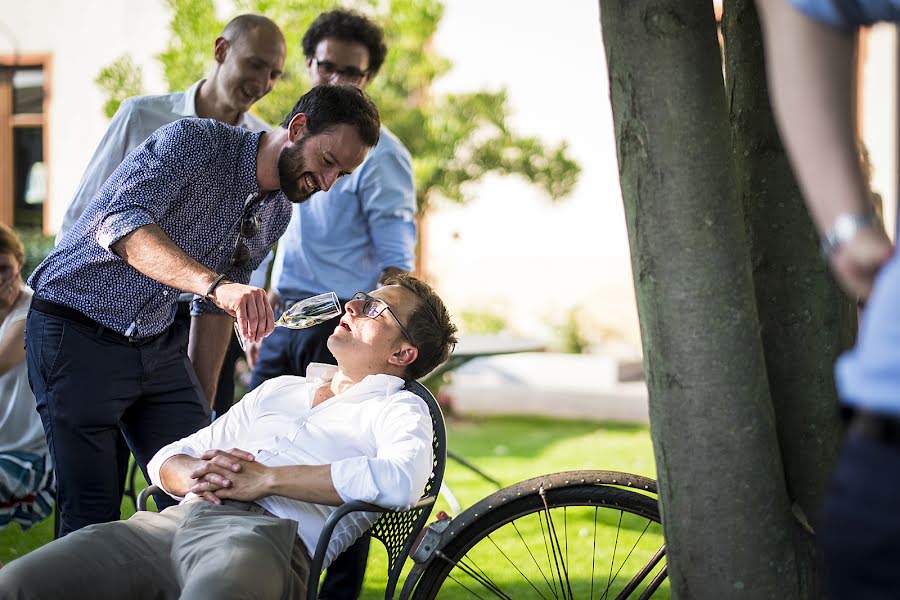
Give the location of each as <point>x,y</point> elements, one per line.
<point>396,476</point>
<point>228,431</point>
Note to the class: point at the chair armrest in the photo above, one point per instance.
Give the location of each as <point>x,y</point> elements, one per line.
<point>315,569</point>
<point>145,493</point>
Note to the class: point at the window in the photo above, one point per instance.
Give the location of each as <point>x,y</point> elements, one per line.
<point>23,131</point>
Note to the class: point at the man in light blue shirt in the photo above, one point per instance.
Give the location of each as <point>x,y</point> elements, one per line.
<point>353,236</point>
<point>348,239</point>
<point>811,62</point>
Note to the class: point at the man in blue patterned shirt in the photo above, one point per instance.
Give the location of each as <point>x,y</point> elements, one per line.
<point>195,208</point>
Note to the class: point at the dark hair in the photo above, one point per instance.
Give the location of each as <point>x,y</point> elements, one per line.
<point>349,26</point>
<point>432,332</point>
<point>328,105</point>
<point>10,244</point>
<point>242,25</point>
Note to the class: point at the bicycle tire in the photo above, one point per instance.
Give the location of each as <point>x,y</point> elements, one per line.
<point>561,491</point>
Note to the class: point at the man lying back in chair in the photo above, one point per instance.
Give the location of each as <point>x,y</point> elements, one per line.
<point>259,483</point>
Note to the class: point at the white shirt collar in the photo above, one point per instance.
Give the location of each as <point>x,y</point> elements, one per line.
<point>319,374</point>
<point>187,107</point>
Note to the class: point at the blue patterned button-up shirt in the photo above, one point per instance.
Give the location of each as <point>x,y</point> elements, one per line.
<point>193,179</point>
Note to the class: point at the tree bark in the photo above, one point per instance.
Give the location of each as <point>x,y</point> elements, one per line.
<point>806,321</point>
<point>726,512</point>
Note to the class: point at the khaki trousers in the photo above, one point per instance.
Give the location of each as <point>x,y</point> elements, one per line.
<point>196,550</point>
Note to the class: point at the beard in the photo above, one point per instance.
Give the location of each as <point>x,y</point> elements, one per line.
<point>291,169</point>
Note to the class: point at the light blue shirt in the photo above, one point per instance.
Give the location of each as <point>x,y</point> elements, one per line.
<point>192,178</point>
<point>341,240</point>
<point>869,375</point>
<point>846,14</point>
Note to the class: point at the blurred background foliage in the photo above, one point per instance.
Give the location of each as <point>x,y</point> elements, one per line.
<point>455,139</point>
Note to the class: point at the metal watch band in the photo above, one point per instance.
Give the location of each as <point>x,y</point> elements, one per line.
<point>844,229</point>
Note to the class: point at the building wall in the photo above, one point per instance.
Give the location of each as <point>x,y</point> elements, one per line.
<point>81,37</point>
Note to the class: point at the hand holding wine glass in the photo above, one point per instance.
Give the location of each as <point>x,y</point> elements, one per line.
<point>305,313</point>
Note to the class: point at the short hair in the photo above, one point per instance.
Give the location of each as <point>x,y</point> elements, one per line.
<point>429,326</point>
<point>349,26</point>
<point>242,25</point>
<point>327,106</point>
<point>11,244</point>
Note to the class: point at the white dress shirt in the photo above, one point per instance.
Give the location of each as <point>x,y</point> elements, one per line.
<point>133,123</point>
<point>376,436</point>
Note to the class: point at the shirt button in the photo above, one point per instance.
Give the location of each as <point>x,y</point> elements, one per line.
<point>138,321</point>
<point>165,292</point>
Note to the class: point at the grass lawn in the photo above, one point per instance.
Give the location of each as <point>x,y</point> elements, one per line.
<point>508,448</point>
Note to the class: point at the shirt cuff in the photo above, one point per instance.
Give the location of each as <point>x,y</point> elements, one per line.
<point>352,479</point>
<point>202,306</point>
<point>162,456</point>
<point>119,224</point>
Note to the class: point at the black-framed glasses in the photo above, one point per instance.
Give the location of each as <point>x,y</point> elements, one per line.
<point>328,70</point>
<point>375,306</point>
<point>249,227</point>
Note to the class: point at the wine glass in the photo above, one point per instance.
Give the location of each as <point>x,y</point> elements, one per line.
<point>303,314</point>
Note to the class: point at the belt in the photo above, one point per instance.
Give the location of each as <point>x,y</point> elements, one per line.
<point>877,427</point>
<point>70,314</point>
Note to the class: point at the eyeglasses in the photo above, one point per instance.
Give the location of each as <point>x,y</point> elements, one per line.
<point>373,307</point>
<point>328,70</point>
<point>249,227</point>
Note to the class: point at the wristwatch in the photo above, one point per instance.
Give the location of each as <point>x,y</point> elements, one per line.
<point>844,229</point>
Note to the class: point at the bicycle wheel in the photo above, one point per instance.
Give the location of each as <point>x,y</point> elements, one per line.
<point>567,535</point>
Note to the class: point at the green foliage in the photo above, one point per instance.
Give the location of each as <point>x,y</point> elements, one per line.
<point>120,79</point>
<point>37,247</point>
<point>194,29</point>
<point>454,139</point>
<point>571,338</point>
<point>472,321</point>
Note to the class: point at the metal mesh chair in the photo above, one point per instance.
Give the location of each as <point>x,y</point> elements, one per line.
<point>397,530</point>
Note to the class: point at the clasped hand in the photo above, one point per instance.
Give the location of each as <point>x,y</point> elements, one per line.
<point>232,474</point>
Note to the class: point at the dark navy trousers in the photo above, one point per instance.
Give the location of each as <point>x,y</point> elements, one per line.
<point>861,522</point>
<point>90,384</point>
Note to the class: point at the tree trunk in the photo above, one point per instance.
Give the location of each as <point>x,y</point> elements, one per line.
<point>726,511</point>
<point>806,321</point>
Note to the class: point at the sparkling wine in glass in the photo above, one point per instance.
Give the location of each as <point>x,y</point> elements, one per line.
<point>302,314</point>
<point>311,311</point>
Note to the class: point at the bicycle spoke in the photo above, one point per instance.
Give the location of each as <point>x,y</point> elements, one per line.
<point>495,555</point>
<point>525,577</point>
<point>463,586</point>
<point>612,561</point>
<point>471,572</point>
<point>594,550</point>
<point>561,569</point>
<point>530,553</point>
<point>566,532</point>
<point>541,518</point>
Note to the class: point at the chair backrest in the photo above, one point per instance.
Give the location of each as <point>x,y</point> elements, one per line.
<point>398,530</point>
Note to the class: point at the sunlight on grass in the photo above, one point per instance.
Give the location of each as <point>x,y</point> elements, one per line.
<point>508,449</point>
